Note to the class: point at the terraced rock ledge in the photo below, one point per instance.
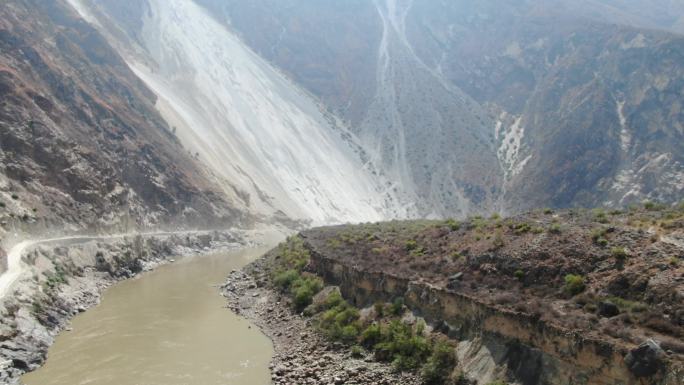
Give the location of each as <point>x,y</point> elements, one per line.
<point>578,297</point>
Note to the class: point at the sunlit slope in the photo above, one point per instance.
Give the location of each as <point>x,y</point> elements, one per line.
<point>264,136</point>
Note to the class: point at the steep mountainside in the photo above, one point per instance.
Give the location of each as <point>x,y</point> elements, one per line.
<point>524,103</point>
<point>424,132</point>
<point>80,141</point>
<point>279,150</point>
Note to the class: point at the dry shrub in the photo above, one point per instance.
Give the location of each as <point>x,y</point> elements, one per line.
<point>504,298</point>
<point>674,345</point>
<point>658,323</point>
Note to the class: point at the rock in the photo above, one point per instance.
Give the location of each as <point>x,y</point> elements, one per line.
<point>646,360</point>
<point>454,280</point>
<point>608,309</point>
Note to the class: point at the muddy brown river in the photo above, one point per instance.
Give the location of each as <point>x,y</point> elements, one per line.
<point>166,327</point>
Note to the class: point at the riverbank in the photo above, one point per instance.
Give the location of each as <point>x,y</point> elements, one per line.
<point>66,279</point>
<point>302,354</point>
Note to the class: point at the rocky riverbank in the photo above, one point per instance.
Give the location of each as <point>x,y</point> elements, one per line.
<point>302,354</point>
<point>67,279</point>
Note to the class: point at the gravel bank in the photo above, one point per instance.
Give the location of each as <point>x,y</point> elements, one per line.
<point>302,355</point>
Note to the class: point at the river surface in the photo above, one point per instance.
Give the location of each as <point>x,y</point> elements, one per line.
<point>166,327</point>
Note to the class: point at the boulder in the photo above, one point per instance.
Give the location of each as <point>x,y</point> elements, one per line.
<point>608,309</point>
<point>645,360</point>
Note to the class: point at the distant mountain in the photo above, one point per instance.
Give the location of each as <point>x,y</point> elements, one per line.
<point>493,105</point>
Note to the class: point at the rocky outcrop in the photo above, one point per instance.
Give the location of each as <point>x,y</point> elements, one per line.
<point>70,279</point>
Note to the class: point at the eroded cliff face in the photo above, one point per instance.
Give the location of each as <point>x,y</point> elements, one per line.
<point>497,291</point>
<point>81,143</point>
<point>491,341</point>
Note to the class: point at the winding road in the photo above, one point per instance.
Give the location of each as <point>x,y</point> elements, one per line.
<point>16,267</point>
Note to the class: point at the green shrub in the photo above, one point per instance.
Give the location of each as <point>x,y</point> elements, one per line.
<point>439,365</point>
<point>371,336</point>
<point>293,254</point>
<point>522,228</point>
<point>574,284</point>
<point>379,309</point>
<point>411,245</point>
<point>548,211</point>
<point>453,224</point>
<point>2,205</point>
<point>600,216</point>
<point>498,240</point>
<point>397,306</point>
<point>349,334</point>
<point>340,321</point>
<point>303,289</point>
<point>555,228</point>
<point>653,206</point>
<point>519,275</point>
<point>619,253</point>
<point>402,347</point>
<point>356,351</point>
<point>598,236</point>
<point>15,196</point>
<point>285,279</point>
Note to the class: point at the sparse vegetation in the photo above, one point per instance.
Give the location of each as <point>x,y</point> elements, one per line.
<point>619,253</point>
<point>439,365</point>
<point>498,240</point>
<point>555,228</point>
<point>453,224</point>
<point>15,197</point>
<point>600,216</point>
<point>598,236</point>
<point>289,277</point>
<point>654,206</point>
<point>574,284</point>
<point>521,228</point>
<point>519,275</point>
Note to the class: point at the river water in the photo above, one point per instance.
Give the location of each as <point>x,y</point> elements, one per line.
<point>166,327</point>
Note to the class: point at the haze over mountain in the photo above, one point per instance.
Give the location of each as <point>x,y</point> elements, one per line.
<point>303,111</point>
<point>580,101</point>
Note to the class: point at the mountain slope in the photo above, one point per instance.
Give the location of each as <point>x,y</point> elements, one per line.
<point>588,113</point>
<point>271,140</point>
<point>81,143</point>
<point>548,103</point>
<point>425,133</point>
